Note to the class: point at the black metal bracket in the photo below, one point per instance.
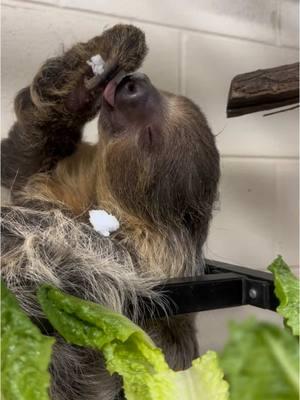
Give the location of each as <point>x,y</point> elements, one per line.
<point>222,286</point>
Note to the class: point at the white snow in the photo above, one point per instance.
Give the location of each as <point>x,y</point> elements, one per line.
<point>97,64</point>
<point>103,222</point>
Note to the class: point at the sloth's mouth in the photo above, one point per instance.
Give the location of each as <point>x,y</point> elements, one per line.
<point>109,93</point>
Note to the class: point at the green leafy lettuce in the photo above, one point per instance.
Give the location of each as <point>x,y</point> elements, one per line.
<point>287,290</point>
<point>25,353</point>
<point>261,362</point>
<point>130,352</point>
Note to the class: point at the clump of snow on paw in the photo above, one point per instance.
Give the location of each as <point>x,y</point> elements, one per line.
<point>103,222</point>
<point>97,64</point>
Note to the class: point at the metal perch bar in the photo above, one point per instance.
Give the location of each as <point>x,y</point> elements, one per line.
<point>223,286</point>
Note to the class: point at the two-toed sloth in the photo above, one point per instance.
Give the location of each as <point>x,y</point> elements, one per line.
<point>155,167</point>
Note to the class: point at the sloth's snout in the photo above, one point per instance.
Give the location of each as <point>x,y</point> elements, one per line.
<point>133,90</point>
<point>131,101</point>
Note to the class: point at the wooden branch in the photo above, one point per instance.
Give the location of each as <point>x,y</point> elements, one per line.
<point>263,89</point>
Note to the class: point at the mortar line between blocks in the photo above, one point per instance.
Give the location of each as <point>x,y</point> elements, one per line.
<point>62,7</point>
<point>28,4</point>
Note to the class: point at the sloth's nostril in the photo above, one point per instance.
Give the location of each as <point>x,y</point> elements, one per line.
<point>131,87</point>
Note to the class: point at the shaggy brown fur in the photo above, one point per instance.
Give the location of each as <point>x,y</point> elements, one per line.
<point>156,168</point>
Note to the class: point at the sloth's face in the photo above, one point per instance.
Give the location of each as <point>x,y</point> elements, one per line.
<point>134,108</point>
<point>158,151</point>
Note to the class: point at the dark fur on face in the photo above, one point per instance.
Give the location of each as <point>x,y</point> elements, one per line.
<point>155,167</point>
<point>172,165</point>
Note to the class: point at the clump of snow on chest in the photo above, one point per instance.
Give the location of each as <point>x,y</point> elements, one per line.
<point>103,222</point>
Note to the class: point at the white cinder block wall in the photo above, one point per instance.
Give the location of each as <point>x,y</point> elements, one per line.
<point>196,48</point>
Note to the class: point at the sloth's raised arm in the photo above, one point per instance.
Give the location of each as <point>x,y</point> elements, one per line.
<point>52,111</point>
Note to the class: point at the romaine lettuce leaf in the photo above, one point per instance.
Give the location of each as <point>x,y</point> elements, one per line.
<point>261,362</point>
<point>25,353</point>
<point>130,352</point>
<point>287,290</point>
<point>203,381</point>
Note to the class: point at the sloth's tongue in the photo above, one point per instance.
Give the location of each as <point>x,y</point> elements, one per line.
<point>110,89</point>
<point>109,92</point>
